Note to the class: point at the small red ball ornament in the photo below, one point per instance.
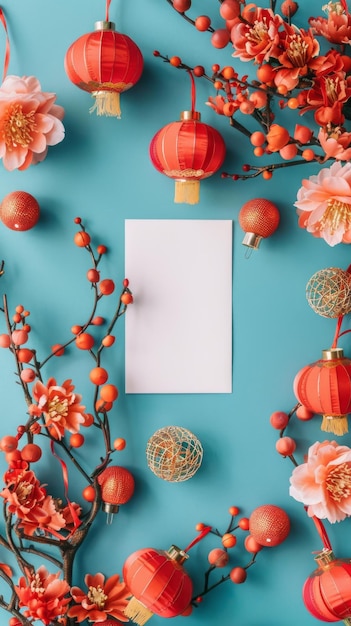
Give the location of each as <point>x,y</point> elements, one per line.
<point>259,218</point>
<point>159,584</point>
<point>117,487</point>
<point>269,525</point>
<point>327,591</point>
<point>19,210</point>
<point>324,387</point>
<point>104,63</point>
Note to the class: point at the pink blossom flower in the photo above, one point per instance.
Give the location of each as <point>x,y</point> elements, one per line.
<point>61,407</point>
<point>44,595</point>
<point>103,599</point>
<point>336,142</point>
<point>323,483</point>
<point>29,122</point>
<point>324,204</point>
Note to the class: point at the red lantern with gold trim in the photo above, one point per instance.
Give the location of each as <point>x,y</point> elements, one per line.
<point>187,151</point>
<point>105,63</point>
<point>327,591</point>
<point>159,584</point>
<point>324,387</point>
<point>117,487</point>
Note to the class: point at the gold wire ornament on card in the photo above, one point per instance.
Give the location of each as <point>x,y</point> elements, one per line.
<point>174,453</point>
<point>328,292</point>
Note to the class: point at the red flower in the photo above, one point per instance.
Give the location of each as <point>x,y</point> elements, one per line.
<point>336,27</point>
<point>102,600</point>
<point>43,593</point>
<point>327,97</point>
<point>256,38</point>
<point>61,407</point>
<point>23,493</point>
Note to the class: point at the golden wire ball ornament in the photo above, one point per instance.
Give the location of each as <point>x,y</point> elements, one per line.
<point>174,453</point>
<point>328,292</point>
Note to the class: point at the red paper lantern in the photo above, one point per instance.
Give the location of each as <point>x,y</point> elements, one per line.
<point>269,525</point>
<point>324,387</point>
<point>19,210</point>
<point>117,487</point>
<point>327,591</point>
<point>187,151</point>
<point>159,584</point>
<point>259,218</point>
<point>105,63</point>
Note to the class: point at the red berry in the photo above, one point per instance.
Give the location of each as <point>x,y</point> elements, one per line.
<point>279,420</point>
<point>93,275</point>
<point>286,446</point>
<point>125,282</point>
<point>101,249</point>
<point>77,220</point>
<point>238,575</point>
<point>202,23</point>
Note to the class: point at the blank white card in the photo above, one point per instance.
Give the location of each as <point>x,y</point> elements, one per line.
<point>179,328</point>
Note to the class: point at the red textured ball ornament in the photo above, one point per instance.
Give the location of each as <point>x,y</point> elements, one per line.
<point>259,218</point>
<point>269,525</point>
<point>327,591</point>
<point>19,210</point>
<point>117,487</point>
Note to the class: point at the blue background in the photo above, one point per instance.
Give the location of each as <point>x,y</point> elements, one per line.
<point>102,172</point>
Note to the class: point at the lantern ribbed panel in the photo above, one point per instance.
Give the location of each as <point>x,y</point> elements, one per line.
<point>325,387</point>
<point>158,582</point>
<point>187,149</point>
<point>327,592</point>
<point>104,59</point>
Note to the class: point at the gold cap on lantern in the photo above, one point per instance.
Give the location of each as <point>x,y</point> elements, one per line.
<point>332,353</point>
<point>190,115</point>
<point>104,25</point>
<point>176,554</point>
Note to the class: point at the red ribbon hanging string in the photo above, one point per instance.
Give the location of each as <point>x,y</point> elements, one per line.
<point>339,323</point>
<point>76,521</point>
<point>7,46</point>
<point>322,533</point>
<point>193,91</point>
<point>108,2</point>
<point>203,534</point>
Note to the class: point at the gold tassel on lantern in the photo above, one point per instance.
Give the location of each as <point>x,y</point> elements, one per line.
<point>336,424</point>
<point>106,103</point>
<point>187,191</point>
<point>137,612</point>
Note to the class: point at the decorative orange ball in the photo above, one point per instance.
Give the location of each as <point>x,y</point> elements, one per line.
<point>117,485</point>
<point>31,452</point>
<point>218,557</point>
<point>269,525</point>
<point>19,210</point>
<point>259,216</point>
<point>229,540</point>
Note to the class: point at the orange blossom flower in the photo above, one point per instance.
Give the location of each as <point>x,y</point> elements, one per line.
<point>103,599</point>
<point>29,122</point>
<point>43,593</point>
<point>336,142</point>
<point>324,204</point>
<point>61,407</point>
<point>256,38</point>
<point>23,493</point>
<point>336,27</point>
<point>323,483</point>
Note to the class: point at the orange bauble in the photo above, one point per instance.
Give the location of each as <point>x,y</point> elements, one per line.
<point>19,210</point>
<point>117,487</point>
<point>269,525</point>
<point>259,218</point>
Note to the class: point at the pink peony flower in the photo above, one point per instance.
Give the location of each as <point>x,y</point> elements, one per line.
<point>335,142</point>
<point>29,122</point>
<point>323,483</point>
<point>324,204</point>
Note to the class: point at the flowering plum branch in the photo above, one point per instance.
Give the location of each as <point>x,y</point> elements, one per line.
<point>34,519</point>
<point>293,71</point>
